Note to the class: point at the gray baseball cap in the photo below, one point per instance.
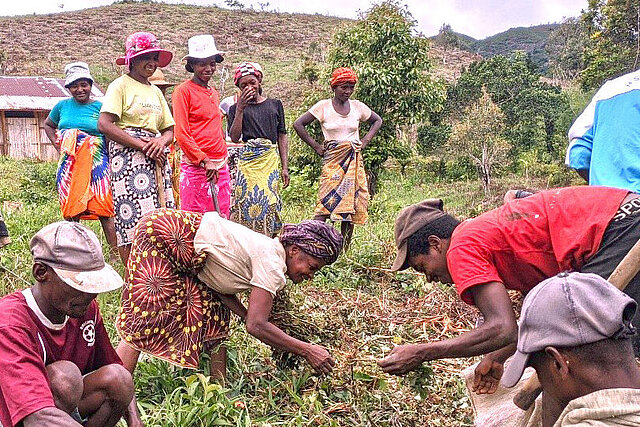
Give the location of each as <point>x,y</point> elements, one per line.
<point>409,220</point>
<point>569,310</point>
<point>74,252</point>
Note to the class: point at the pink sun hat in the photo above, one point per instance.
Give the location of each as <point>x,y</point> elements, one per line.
<point>143,42</point>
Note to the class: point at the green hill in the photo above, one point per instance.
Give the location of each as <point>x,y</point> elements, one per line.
<point>532,40</point>
<point>529,39</point>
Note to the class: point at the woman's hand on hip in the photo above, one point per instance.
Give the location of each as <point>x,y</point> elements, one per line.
<point>364,142</point>
<point>319,358</point>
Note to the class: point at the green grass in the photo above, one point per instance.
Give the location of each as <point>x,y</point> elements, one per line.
<point>357,308</point>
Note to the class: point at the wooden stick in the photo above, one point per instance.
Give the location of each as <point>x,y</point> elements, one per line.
<point>625,271</point>
<point>162,197</point>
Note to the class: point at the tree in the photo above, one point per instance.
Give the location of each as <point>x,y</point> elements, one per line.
<point>614,46</point>
<point>478,135</point>
<point>531,107</point>
<point>447,38</point>
<point>234,4</point>
<point>565,47</point>
<point>394,80</point>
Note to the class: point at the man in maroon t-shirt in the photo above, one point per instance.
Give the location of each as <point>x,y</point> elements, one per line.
<point>515,246</point>
<point>58,365</point>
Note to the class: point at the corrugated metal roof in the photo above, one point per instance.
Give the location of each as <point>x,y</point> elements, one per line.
<point>35,93</point>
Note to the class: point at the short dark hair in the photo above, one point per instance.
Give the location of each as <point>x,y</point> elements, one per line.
<point>189,65</point>
<point>603,354</point>
<point>418,242</point>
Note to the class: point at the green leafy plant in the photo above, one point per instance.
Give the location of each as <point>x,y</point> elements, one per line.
<point>199,402</point>
<point>612,48</point>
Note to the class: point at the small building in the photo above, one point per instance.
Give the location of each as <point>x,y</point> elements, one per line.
<point>25,103</point>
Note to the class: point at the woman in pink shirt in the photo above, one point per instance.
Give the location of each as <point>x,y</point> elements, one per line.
<point>199,132</point>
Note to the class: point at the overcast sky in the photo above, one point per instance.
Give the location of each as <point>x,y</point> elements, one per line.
<point>476,18</point>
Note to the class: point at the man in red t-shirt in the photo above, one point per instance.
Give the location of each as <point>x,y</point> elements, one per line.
<point>58,366</point>
<point>515,246</point>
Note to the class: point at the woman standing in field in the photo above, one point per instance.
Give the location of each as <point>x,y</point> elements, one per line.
<point>258,122</point>
<point>196,108</point>
<point>343,194</point>
<point>82,179</point>
<point>136,118</point>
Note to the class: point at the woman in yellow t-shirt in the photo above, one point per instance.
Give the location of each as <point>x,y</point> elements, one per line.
<point>343,194</point>
<point>136,118</point>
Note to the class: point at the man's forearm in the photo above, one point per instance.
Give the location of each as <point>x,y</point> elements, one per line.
<point>483,340</point>
<point>503,354</point>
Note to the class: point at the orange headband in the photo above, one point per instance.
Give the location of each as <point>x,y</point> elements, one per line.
<point>343,75</point>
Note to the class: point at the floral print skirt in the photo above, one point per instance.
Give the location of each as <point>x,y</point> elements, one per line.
<point>257,202</point>
<point>166,310</point>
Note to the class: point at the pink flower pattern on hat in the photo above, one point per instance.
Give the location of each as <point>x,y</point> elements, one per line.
<point>141,42</point>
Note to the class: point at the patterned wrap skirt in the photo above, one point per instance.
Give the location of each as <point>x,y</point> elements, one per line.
<point>166,310</point>
<point>175,158</point>
<point>82,179</point>
<point>234,150</point>
<point>257,202</point>
<point>343,194</point>
<point>134,186</point>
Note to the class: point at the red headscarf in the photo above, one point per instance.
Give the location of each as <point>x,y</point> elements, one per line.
<point>247,69</point>
<point>343,75</point>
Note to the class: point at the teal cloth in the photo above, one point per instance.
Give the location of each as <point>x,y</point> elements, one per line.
<point>69,114</point>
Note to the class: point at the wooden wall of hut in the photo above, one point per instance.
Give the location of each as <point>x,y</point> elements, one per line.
<point>22,136</point>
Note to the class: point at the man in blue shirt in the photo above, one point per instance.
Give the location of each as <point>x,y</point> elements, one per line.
<point>604,140</point>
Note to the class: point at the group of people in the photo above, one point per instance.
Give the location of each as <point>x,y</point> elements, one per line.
<point>576,329</point>
<point>184,269</point>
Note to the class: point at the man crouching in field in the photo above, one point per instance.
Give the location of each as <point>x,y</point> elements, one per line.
<point>58,367</point>
<point>516,246</point>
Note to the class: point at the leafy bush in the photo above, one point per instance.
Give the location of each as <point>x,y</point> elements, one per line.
<point>431,139</point>
<point>533,109</point>
<point>38,183</point>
